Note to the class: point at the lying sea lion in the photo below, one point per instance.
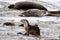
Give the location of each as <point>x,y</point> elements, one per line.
<point>9,24</point>
<point>26,5</point>
<point>33,13</point>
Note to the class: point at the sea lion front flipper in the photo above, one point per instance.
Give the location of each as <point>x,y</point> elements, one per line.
<point>26,34</point>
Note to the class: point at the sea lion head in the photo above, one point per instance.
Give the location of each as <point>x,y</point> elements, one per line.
<point>11,6</point>
<point>24,21</point>
<point>43,12</point>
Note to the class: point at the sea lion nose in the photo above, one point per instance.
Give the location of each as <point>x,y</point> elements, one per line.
<point>11,6</point>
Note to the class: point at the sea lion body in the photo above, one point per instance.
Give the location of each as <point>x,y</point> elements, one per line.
<point>34,30</point>
<point>30,29</point>
<point>26,5</point>
<point>33,13</point>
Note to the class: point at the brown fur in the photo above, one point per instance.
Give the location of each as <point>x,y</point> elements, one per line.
<point>26,5</point>
<point>30,29</point>
<point>33,13</point>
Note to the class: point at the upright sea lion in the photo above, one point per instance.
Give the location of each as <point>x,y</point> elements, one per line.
<point>30,29</point>
<point>26,5</point>
<point>33,13</point>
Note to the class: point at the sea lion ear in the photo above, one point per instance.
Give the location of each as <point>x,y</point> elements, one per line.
<point>11,6</point>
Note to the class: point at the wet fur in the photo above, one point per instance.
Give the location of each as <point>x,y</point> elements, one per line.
<point>33,13</point>
<point>26,5</point>
<point>34,30</point>
<point>31,29</point>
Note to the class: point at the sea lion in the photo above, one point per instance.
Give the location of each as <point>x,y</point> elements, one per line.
<point>33,13</point>
<point>26,5</point>
<point>9,24</point>
<point>30,29</point>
